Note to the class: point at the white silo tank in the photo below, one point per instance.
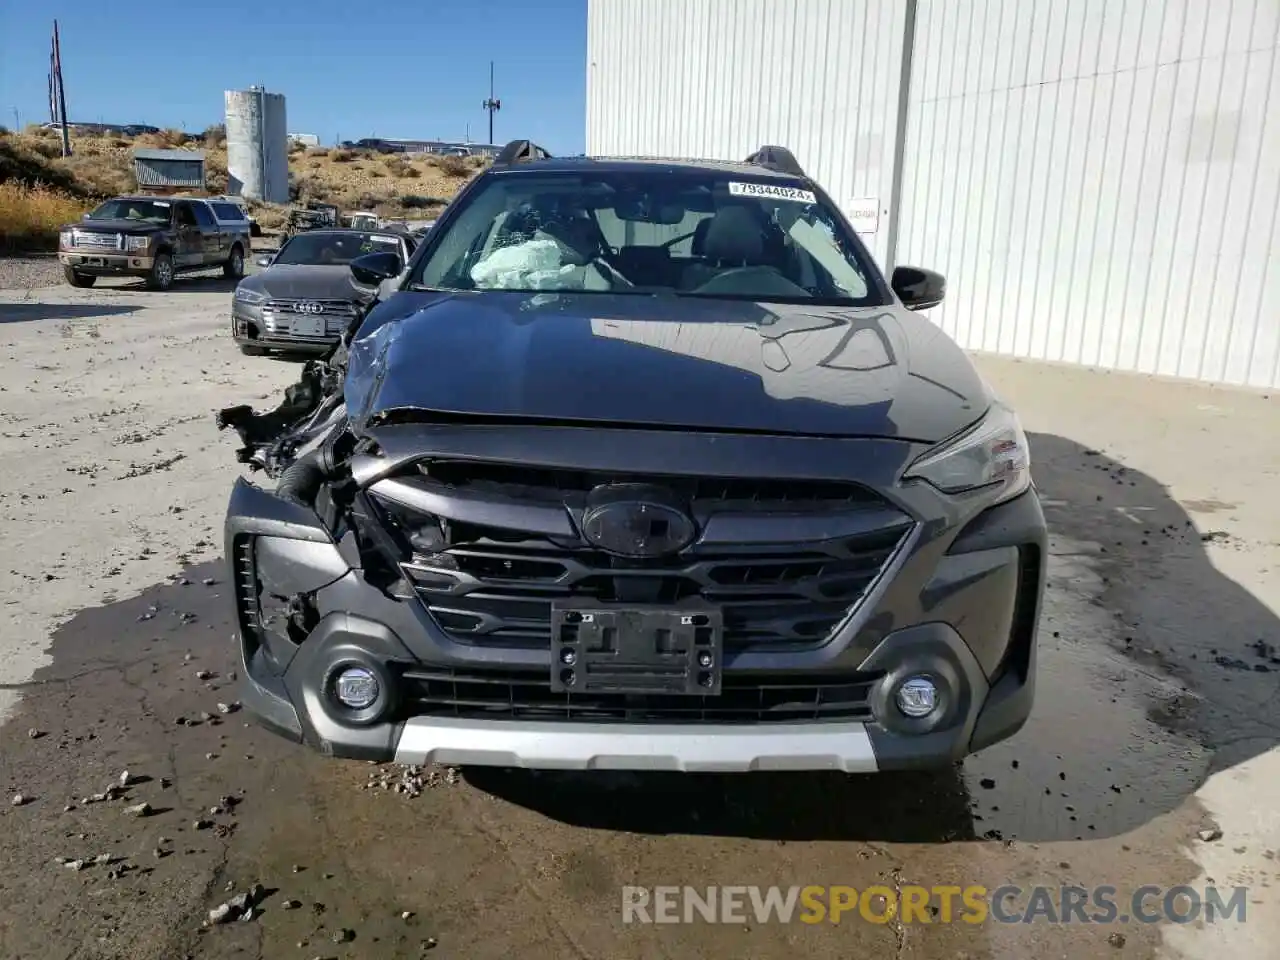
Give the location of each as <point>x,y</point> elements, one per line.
<point>257,145</point>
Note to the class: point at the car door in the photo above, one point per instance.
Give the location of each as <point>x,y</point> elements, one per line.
<point>211,247</point>
<point>190,241</point>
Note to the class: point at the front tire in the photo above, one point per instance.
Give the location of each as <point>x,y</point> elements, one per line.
<point>78,279</point>
<point>161,275</point>
<point>233,269</point>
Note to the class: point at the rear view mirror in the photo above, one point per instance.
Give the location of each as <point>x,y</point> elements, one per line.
<point>640,208</point>
<point>373,268</point>
<point>917,288</point>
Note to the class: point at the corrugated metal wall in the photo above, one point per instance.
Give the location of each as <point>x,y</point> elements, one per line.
<point>1099,180</point>
<point>718,78</point>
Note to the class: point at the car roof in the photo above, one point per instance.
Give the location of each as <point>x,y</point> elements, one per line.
<point>349,232</point>
<point>639,164</point>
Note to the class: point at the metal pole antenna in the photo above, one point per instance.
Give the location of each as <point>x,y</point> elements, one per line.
<point>492,105</point>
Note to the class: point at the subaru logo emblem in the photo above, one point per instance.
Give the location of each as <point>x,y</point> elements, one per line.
<point>309,306</point>
<point>636,520</point>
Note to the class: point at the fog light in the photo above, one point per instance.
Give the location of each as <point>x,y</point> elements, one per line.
<point>917,697</point>
<point>356,688</point>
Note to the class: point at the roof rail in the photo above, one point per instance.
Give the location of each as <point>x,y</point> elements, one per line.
<point>779,159</point>
<point>520,151</point>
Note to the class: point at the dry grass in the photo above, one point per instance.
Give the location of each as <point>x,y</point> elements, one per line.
<point>100,166</point>
<point>31,215</point>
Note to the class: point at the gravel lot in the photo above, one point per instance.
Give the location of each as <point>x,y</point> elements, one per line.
<point>25,273</point>
<point>1156,717</point>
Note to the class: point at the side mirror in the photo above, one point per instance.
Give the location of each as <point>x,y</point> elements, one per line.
<point>265,261</point>
<point>84,217</point>
<point>917,288</point>
<point>373,268</point>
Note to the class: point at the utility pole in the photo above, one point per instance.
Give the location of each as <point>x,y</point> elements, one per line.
<point>17,121</point>
<point>62,93</point>
<point>492,105</point>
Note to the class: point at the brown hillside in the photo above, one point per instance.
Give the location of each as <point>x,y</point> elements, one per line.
<point>31,168</point>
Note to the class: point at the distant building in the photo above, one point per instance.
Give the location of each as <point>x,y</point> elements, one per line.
<point>169,171</point>
<point>439,147</point>
<point>306,139</point>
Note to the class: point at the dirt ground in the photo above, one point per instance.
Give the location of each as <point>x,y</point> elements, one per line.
<point>1156,721</point>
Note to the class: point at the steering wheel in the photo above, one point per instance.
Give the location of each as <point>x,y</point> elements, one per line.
<point>609,271</point>
<point>674,240</point>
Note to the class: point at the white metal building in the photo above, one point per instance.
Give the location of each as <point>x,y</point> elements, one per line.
<point>1098,179</point>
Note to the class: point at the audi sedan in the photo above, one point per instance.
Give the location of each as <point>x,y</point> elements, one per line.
<point>304,298</point>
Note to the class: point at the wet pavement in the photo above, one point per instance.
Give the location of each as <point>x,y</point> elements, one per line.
<point>1158,670</point>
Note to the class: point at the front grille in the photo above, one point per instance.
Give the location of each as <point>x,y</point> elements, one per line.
<point>720,493</point>
<point>284,318</point>
<point>496,587</point>
<point>97,241</point>
<point>744,698</point>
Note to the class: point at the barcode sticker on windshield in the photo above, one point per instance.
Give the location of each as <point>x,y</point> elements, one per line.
<point>772,192</point>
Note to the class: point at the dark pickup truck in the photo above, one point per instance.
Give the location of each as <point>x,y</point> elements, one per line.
<point>154,238</point>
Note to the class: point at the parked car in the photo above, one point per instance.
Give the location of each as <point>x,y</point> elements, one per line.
<point>153,238</point>
<point>303,298</point>
<point>643,464</point>
<point>363,220</point>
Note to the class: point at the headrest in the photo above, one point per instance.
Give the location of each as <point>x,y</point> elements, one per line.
<point>735,235</point>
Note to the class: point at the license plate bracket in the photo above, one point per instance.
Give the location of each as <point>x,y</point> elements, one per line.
<point>308,325</point>
<point>636,649</point>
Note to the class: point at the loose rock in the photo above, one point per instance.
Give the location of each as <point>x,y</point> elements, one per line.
<point>1210,834</point>
<point>139,810</point>
<point>1117,940</point>
<point>20,800</point>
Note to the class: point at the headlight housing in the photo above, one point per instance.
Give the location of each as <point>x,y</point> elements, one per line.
<point>245,295</point>
<point>66,238</point>
<point>137,243</point>
<point>993,455</point>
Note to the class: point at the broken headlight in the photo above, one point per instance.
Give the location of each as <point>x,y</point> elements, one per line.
<point>992,455</point>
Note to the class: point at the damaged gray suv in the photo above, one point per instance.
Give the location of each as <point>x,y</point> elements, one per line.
<point>643,464</point>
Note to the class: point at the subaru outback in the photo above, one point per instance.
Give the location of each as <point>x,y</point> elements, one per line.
<point>641,464</point>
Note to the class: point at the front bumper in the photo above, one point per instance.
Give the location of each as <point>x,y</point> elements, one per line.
<point>107,265</point>
<point>248,329</point>
<point>960,604</point>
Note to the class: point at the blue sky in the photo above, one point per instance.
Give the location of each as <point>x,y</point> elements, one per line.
<point>348,69</point>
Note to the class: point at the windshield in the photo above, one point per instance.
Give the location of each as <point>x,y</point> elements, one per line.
<point>701,234</point>
<point>150,211</point>
<point>319,248</point>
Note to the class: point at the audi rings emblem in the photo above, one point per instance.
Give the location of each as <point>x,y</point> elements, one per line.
<point>309,306</point>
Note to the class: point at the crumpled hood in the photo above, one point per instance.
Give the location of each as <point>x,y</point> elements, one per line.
<point>304,281</point>
<point>701,364</point>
